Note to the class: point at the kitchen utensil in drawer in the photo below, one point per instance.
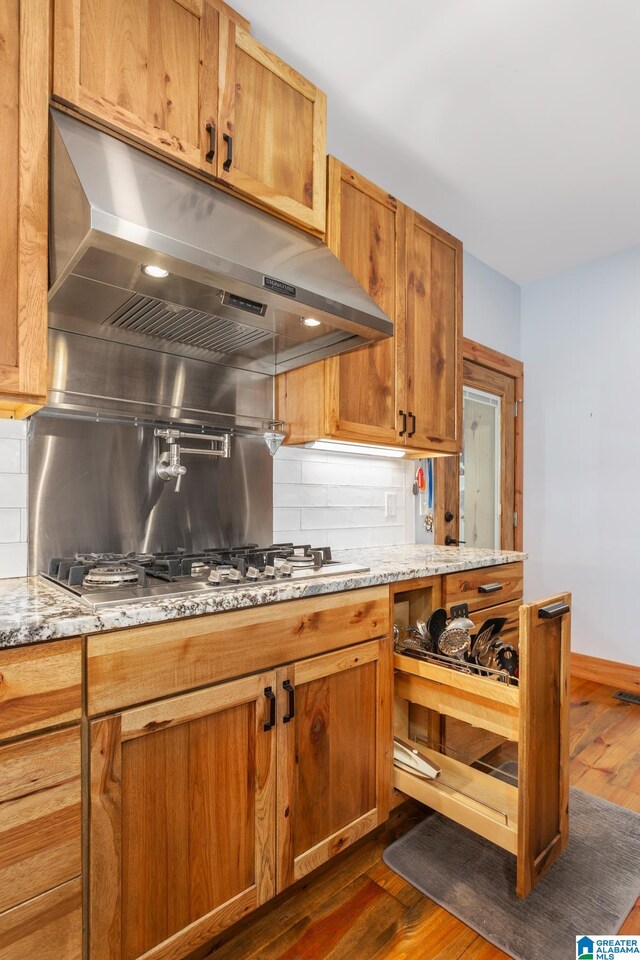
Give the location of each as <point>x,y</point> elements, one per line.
<point>454,641</point>
<point>413,761</point>
<point>436,624</point>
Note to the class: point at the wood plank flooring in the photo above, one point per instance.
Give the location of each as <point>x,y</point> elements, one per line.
<point>358,909</point>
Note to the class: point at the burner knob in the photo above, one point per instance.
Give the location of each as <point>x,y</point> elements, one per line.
<point>215,577</point>
<point>253,573</point>
<point>270,572</point>
<point>286,569</point>
<point>234,575</point>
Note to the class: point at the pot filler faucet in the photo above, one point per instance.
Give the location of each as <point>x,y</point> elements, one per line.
<point>169,465</point>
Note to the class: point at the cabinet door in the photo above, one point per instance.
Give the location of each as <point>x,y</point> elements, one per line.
<point>365,229</point>
<point>146,67</point>
<point>182,821</point>
<point>272,132</point>
<point>24,106</point>
<point>433,337</point>
<point>334,754</point>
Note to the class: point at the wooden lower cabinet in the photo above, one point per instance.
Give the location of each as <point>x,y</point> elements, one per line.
<point>334,755</point>
<point>182,797</point>
<point>204,806</point>
<point>48,927</point>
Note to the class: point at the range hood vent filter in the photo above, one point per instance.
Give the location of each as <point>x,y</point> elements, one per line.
<point>174,324</point>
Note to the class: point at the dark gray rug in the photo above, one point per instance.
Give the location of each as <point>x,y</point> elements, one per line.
<point>590,889</point>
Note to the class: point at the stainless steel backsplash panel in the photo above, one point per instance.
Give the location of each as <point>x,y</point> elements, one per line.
<point>87,374</point>
<point>92,486</point>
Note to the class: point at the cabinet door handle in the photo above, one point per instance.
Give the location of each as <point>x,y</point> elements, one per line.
<point>271,697</point>
<point>402,414</point>
<point>490,588</point>
<point>287,685</point>
<point>554,610</point>
<point>228,139</point>
<point>413,424</point>
<point>211,152</point>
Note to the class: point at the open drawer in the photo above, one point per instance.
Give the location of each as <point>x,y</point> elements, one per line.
<point>525,813</point>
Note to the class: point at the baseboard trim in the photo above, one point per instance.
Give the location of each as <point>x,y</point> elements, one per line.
<point>624,676</point>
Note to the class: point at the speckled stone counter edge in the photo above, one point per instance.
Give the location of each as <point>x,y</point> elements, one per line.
<point>32,610</point>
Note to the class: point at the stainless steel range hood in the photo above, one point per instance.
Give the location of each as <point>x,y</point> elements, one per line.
<point>240,283</point>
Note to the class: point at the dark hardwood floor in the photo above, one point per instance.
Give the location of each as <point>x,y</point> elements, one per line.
<point>358,909</point>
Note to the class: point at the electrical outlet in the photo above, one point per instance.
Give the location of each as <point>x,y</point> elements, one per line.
<point>389,504</point>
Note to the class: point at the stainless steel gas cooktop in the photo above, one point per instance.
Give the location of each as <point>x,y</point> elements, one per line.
<point>105,579</point>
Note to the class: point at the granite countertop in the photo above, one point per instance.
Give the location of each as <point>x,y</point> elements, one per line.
<point>33,610</point>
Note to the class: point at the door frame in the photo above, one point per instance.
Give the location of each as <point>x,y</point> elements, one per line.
<point>446,479</point>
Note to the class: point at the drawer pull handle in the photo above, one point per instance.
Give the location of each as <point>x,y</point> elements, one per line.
<point>404,422</point>
<point>413,424</point>
<point>271,697</point>
<point>287,685</point>
<point>211,152</point>
<point>490,588</point>
<point>554,610</point>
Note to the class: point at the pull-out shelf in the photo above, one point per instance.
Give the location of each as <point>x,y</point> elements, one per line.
<point>528,814</point>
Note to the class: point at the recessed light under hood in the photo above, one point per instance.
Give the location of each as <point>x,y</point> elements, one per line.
<point>239,285</point>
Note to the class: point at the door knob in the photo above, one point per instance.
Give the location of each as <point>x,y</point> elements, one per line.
<point>452,542</point>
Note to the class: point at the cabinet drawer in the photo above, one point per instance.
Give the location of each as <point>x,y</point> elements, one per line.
<point>40,821</point>
<point>485,587</point>
<point>48,927</point>
<point>144,663</point>
<point>40,687</point>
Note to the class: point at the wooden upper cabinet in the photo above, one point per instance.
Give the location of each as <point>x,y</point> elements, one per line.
<point>24,158</point>
<point>365,229</point>
<point>405,391</point>
<point>146,67</point>
<point>272,129</point>
<point>182,813</point>
<point>433,335</point>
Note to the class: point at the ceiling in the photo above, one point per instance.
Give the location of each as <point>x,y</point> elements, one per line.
<point>514,124</point>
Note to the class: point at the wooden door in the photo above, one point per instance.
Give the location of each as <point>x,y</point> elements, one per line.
<point>500,377</point>
<point>272,132</point>
<point>146,67</point>
<point>433,364</point>
<point>182,822</point>
<point>365,229</point>
<point>24,106</point>
<point>334,754</point>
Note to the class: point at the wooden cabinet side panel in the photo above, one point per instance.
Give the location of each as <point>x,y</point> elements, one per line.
<point>40,788</point>
<point>543,754</point>
<point>40,686</point>
<point>105,841</point>
<point>143,663</point>
<point>48,927</point>
<point>24,183</point>
<point>9,157</point>
<point>301,402</point>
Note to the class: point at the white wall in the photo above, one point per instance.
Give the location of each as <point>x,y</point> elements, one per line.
<point>581,344</point>
<point>330,499</point>
<point>13,499</point>
<point>491,308</point>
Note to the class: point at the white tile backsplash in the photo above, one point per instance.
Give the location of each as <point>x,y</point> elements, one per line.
<point>13,498</point>
<point>337,500</point>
